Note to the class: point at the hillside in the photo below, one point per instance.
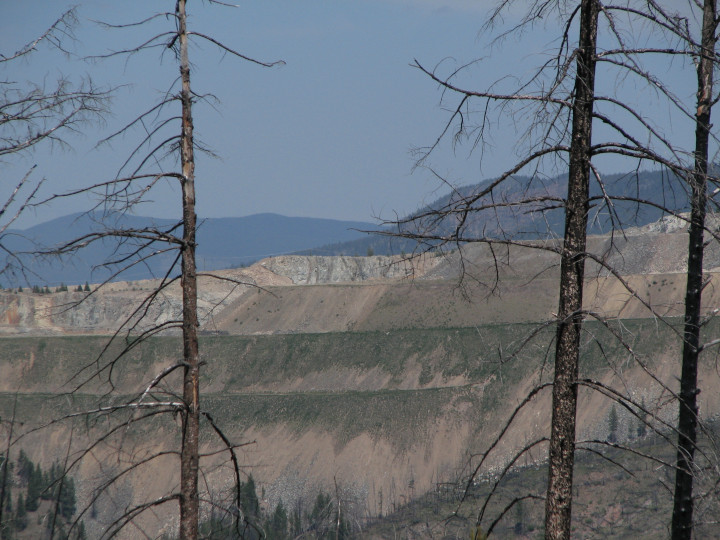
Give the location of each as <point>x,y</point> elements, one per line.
<point>236,242</point>
<point>222,243</point>
<point>297,294</point>
<point>377,374</point>
<point>539,218</point>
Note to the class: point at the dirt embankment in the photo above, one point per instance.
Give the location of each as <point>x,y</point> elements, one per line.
<point>348,370</point>
<point>295,294</point>
<point>104,309</point>
<point>379,412</point>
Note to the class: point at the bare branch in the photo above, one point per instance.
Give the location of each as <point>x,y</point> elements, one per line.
<point>235,53</point>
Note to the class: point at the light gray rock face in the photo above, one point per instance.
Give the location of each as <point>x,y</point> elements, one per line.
<point>656,248</point>
<point>125,303</point>
<point>72,312</point>
<point>313,270</point>
<point>673,224</point>
<point>659,247</point>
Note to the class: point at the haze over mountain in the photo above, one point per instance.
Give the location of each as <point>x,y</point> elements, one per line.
<point>370,373</point>
<point>222,243</point>
<point>235,242</point>
<point>658,189</point>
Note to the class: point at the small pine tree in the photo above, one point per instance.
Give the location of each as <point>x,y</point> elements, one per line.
<point>642,421</point>
<point>296,523</point>
<point>24,466</point>
<point>8,524</point>
<point>81,535</point>
<point>321,517</point>
<point>612,424</point>
<point>79,288</point>
<point>249,499</point>
<point>55,473</point>
<point>47,493</point>
<point>519,518</point>
<point>20,513</point>
<point>35,488</point>
<point>87,287</point>
<point>277,524</point>
<point>67,502</point>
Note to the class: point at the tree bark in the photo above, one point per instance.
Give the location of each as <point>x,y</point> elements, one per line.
<point>189,501</point>
<point>572,268</point>
<point>682,517</point>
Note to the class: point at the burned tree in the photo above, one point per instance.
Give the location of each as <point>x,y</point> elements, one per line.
<point>572,273</point>
<point>576,110</point>
<point>139,173</point>
<point>682,517</point>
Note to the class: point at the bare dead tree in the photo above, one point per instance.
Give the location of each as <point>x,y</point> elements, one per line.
<point>682,517</point>
<point>579,106</point>
<point>698,175</point>
<point>189,457</point>
<point>558,503</point>
<point>136,246</point>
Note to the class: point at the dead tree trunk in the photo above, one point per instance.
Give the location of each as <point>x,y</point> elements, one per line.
<point>682,518</point>
<point>572,269</point>
<point>189,502</point>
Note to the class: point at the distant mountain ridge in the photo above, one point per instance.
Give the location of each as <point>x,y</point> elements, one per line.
<point>222,243</point>
<point>659,188</point>
<point>234,242</point>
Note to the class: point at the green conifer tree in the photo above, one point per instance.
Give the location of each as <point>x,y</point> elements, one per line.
<point>296,528</point>
<point>20,513</point>
<point>7,527</point>
<point>277,524</point>
<point>249,499</point>
<point>24,466</point>
<point>612,424</point>
<point>67,502</point>
<point>81,535</point>
<point>35,488</point>
<point>8,501</point>
<point>320,518</point>
<point>47,492</point>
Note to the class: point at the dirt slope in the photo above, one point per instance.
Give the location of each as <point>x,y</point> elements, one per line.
<point>384,377</point>
<point>317,294</point>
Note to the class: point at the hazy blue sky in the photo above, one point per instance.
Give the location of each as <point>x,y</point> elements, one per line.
<point>327,135</point>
